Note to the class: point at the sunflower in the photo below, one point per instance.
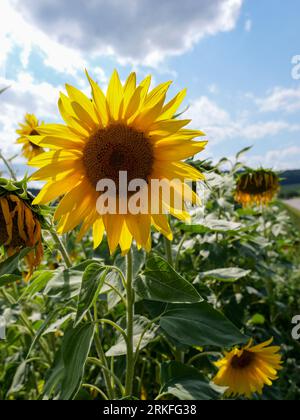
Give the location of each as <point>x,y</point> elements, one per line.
<point>131,130</point>
<point>30,128</point>
<point>246,371</point>
<point>256,187</point>
<point>19,225</point>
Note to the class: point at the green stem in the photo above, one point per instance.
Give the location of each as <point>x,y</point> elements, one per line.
<point>179,250</point>
<point>168,249</point>
<point>95,388</point>
<point>102,356</point>
<point>62,248</point>
<point>10,170</point>
<point>130,317</point>
<point>179,355</point>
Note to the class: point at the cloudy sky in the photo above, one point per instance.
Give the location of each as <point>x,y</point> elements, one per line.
<point>238,59</point>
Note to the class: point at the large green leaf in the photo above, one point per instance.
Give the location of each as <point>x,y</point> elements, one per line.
<point>66,284</point>
<point>141,326</point>
<point>160,282</point>
<point>185,382</point>
<point>200,325</point>
<point>75,350</point>
<point>114,289</point>
<point>92,282</point>
<point>225,275</point>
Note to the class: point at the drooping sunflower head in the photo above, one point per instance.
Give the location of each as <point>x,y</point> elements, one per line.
<point>246,371</point>
<point>128,135</point>
<point>20,225</point>
<point>30,127</point>
<point>256,187</point>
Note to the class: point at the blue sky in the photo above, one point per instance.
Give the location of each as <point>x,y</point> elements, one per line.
<point>234,56</point>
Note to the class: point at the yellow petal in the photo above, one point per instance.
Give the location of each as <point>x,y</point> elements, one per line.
<point>99,100</point>
<point>77,96</point>
<point>98,232</point>
<point>114,96</point>
<point>171,107</point>
<point>178,151</point>
<point>168,127</point>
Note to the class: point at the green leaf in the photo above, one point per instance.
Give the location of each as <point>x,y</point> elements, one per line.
<point>66,284</point>
<point>42,330</point>
<point>58,324</point>
<point>11,264</point>
<point>257,319</point>
<point>92,282</point>
<point>200,325</point>
<point>185,382</point>
<point>113,298</point>
<point>242,152</point>
<point>37,283</point>
<point>75,350</point>
<point>140,325</point>
<point>225,275</point>
<point>211,225</point>
<point>160,282</point>
<point>9,278</point>
<point>18,379</point>
<point>2,90</point>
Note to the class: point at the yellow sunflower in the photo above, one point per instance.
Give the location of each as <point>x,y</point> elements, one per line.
<point>29,128</point>
<point>246,371</point>
<point>256,187</point>
<point>130,129</point>
<point>20,228</point>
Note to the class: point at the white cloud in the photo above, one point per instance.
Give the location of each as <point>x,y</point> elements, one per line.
<point>280,159</point>
<point>280,99</point>
<point>15,31</point>
<point>24,96</point>
<point>135,31</point>
<point>220,126</point>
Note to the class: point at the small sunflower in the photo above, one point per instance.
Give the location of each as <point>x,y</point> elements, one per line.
<point>29,128</point>
<point>246,371</point>
<point>256,187</point>
<point>19,225</point>
<point>130,129</point>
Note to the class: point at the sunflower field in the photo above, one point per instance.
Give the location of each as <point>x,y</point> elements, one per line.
<point>196,303</point>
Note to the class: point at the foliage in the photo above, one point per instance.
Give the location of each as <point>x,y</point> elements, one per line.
<point>235,275</point>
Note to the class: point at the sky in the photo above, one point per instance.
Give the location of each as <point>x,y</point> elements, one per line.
<point>239,60</point>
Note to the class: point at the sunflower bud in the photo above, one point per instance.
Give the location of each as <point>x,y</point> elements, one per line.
<point>257,187</point>
<point>20,226</point>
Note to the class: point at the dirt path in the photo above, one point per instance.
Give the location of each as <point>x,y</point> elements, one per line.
<point>294,202</point>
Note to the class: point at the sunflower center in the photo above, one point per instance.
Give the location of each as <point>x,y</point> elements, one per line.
<point>116,149</point>
<point>243,361</point>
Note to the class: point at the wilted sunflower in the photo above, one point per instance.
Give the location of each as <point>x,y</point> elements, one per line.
<point>246,371</point>
<point>19,225</point>
<point>256,187</point>
<point>130,129</point>
<point>29,128</point>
